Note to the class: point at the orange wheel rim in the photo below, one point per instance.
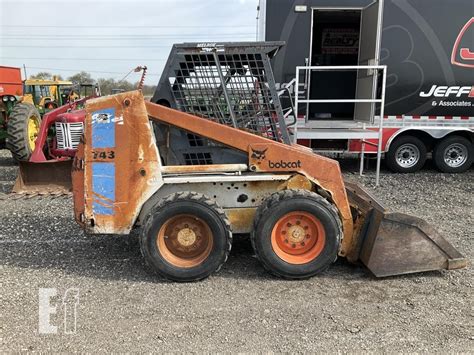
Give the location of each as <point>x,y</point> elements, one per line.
<point>185,241</point>
<point>298,237</point>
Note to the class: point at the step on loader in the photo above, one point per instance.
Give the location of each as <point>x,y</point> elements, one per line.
<point>294,204</point>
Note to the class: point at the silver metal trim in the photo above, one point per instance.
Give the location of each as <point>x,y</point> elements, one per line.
<point>223,178</point>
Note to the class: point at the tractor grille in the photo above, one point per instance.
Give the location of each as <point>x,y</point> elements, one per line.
<point>68,135</point>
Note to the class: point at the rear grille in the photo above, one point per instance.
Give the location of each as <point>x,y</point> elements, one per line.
<point>68,135</point>
<point>197,158</point>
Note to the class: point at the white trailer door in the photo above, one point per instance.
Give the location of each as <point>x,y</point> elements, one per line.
<point>369,54</point>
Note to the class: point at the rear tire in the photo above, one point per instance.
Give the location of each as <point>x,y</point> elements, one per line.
<point>407,154</point>
<point>296,234</point>
<point>186,237</point>
<point>453,154</point>
<point>22,129</point>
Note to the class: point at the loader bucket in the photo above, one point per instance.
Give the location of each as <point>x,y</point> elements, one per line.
<point>47,178</point>
<point>396,243</point>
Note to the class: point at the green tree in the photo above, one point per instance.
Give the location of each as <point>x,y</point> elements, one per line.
<point>81,78</point>
<point>45,76</point>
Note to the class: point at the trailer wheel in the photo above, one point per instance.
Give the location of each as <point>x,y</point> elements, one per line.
<point>22,129</point>
<point>407,154</point>
<point>296,234</point>
<point>186,237</point>
<point>453,154</point>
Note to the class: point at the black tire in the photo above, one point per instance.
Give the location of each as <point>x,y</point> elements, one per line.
<point>273,211</point>
<point>17,130</point>
<point>407,154</point>
<point>200,208</point>
<point>453,154</point>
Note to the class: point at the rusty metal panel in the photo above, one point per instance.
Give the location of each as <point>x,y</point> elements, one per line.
<point>241,219</point>
<point>231,193</point>
<point>121,162</point>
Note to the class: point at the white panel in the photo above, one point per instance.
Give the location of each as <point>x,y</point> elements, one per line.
<point>369,52</point>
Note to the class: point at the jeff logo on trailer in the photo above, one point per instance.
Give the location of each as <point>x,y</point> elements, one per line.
<point>463,49</point>
<point>103,173</point>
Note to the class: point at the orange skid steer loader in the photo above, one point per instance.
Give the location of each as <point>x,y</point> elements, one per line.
<point>295,205</point>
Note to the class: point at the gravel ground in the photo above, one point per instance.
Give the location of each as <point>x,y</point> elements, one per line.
<point>242,308</point>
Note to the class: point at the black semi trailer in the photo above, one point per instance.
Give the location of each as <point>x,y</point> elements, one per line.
<point>428,48</point>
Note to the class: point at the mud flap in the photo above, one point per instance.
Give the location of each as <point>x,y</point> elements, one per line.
<point>48,178</point>
<point>396,243</point>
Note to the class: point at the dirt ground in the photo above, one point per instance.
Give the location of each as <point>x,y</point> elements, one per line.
<point>122,308</point>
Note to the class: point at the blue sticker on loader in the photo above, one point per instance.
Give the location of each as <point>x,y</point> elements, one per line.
<point>103,128</point>
<point>103,188</point>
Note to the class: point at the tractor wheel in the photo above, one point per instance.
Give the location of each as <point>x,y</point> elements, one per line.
<point>22,129</point>
<point>296,234</point>
<point>453,154</point>
<point>186,237</point>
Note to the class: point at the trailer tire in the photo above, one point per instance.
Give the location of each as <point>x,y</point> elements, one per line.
<point>186,237</point>
<point>22,128</point>
<point>453,154</point>
<point>296,234</point>
<point>407,154</point>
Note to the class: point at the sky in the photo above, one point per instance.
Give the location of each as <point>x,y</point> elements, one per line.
<point>107,38</point>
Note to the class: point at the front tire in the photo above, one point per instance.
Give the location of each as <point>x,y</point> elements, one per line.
<point>296,234</point>
<point>22,130</point>
<point>453,154</point>
<point>407,154</point>
<point>186,237</point>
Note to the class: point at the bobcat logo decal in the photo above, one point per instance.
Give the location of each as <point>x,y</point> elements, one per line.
<point>258,154</point>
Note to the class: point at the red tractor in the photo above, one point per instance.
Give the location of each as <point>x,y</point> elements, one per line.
<point>48,169</point>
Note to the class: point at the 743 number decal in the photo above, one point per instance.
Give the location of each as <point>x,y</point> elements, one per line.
<point>104,155</point>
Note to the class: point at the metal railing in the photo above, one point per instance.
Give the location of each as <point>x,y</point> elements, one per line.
<point>372,70</point>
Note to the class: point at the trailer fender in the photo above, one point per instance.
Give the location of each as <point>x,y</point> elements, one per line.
<point>435,133</point>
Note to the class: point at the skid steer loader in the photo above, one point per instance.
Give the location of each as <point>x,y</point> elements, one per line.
<point>294,203</point>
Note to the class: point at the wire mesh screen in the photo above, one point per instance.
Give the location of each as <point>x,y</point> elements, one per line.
<point>229,83</point>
